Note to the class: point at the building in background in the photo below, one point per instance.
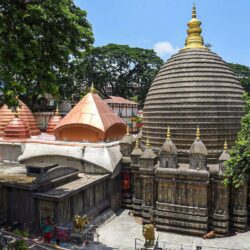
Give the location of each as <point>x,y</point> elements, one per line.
<point>126,109</point>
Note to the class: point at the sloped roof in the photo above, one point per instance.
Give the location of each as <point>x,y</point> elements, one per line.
<point>16,129</point>
<point>119,100</point>
<point>24,113</point>
<point>92,111</point>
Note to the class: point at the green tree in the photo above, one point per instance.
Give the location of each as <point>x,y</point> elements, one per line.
<point>126,71</point>
<point>39,39</point>
<point>243,72</point>
<point>238,166</point>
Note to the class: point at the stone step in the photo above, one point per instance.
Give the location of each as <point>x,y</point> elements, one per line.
<point>181,229</point>
<point>182,216</point>
<point>181,223</point>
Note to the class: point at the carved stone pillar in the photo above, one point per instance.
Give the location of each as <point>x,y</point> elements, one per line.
<point>238,209</point>
<point>126,147</point>
<point>137,180</point>
<point>148,162</point>
<point>220,197</point>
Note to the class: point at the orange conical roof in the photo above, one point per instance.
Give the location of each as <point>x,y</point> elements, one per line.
<point>16,129</point>
<point>93,113</point>
<point>53,122</point>
<point>24,113</point>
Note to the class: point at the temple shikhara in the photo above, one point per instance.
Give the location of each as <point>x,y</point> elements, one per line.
<point>170,174</point>
<point>173,176</point>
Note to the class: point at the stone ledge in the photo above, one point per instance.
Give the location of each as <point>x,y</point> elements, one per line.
<point>181,230</point>
<point>184,224</point>
<point>181,209</point>
<point>184,217</point>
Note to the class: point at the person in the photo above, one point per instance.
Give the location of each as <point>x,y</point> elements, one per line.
<point>47,230</point>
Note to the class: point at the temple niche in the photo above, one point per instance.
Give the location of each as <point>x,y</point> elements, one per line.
<point>177,182</point>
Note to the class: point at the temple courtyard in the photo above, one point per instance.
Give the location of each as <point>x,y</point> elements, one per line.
<point>121,230</point>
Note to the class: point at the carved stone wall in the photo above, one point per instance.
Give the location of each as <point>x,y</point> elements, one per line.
<point>220,206</point>
<point>182,203</point>
<point>186,198</point>
<point>238,208</point>
<point>168,161</point>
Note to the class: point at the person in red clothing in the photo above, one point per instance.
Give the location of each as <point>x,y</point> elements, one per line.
<point>47,230</point>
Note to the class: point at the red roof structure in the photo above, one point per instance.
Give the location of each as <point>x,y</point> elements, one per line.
<point>24,113</point>
<point>119,100</point>
<point>16,129</point>
<point>91,120</point>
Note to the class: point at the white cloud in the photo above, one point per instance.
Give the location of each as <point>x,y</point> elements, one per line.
<point>163,49</point>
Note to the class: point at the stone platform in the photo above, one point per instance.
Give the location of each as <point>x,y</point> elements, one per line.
<point>122,230</point>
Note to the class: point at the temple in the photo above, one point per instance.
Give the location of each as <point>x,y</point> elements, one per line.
<point>170,174</point>
<point>73,168</point>
<point>192,111</point>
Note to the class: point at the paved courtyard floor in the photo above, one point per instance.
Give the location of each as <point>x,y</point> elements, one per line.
<point>121,230</point>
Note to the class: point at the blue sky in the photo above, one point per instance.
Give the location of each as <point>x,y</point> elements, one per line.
<point>161,24</point>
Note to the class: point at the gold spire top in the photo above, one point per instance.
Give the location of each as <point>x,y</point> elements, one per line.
<point>57,113</point>
<point>127,130</point>
<point>225,146</point>
<point>147,143</point>
<point>194,11</point>
<point>194,39</point>
<point>198,133</point>
<point>168,134</point>
<point>137,143</point>
<point>92,89</point>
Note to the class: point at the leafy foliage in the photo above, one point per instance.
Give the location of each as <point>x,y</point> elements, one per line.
<point>20,244</point>
<point>38,40</point>
<point>243,72</point>
<point>238,166</point>
<point>126,71</point>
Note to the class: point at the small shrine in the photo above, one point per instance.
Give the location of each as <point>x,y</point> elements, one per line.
<point>23,113</point>
<point>53,122</point>
<point>91,120</point>
<point>16,128</point>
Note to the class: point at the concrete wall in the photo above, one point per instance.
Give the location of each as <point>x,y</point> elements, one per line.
<point>10,151</point>
<point>61,160</point>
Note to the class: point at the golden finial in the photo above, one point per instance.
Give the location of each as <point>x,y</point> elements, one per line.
<point>168,134</point>
<point>92,89</point>
<point>194,38</point>
<point>198,133</point>
<point>147,143</point>
<point>57,111</point>
<point>194,11</point>
<point>225,146</point>
<point>127,130</point>
<point>137,143</point>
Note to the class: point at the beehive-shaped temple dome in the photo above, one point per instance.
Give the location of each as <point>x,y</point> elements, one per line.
<point>91,120</point>
<point>195,87</point>
<point>53,122</point>
<point>16,129</point>
<point>24,113</point>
